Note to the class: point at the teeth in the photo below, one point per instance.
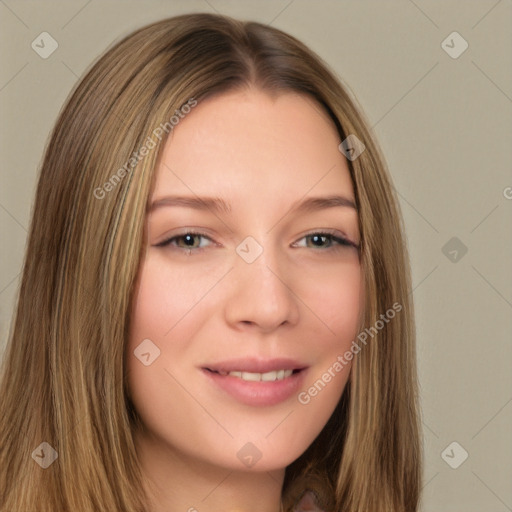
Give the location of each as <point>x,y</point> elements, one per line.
<point>255,377</point>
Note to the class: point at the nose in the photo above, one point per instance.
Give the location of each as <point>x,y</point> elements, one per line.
<point>261,295</point>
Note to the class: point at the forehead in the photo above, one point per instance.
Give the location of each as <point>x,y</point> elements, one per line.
<point>245,145</point>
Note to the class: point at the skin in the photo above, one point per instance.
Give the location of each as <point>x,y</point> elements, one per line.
<point>298,299</point>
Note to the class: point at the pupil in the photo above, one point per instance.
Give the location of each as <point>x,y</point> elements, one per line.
<point>317,238</point>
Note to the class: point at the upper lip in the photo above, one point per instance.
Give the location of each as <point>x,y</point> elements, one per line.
<point>253,365</point>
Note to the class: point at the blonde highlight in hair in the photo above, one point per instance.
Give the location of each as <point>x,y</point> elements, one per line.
<point>64,372</point>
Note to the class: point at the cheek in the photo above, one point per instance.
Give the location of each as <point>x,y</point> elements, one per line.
<point>163,320</point>
<point>165,297</point>
<point>335,297</point>
<point>169,307</point>
<point>158,305</point>
<point>342,305</point>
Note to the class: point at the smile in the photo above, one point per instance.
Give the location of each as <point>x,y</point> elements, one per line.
<point>258,389</point>
<point>255,377</point>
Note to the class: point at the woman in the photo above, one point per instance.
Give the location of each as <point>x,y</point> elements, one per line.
<point>269,367</point>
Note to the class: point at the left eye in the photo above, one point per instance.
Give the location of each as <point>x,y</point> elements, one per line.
<point>319,241</point>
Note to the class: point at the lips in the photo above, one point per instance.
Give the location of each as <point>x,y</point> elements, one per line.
<point>255,365</point>
<point>257,382</point>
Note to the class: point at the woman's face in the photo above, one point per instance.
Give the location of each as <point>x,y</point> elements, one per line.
<point>243,302</point>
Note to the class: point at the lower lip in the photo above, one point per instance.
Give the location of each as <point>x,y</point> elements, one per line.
<point>259,393</point>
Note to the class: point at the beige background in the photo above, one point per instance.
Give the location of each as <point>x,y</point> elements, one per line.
<point>445,126</point>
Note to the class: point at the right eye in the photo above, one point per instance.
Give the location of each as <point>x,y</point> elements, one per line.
<point>189,241</point>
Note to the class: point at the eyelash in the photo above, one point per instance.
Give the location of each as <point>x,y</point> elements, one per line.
<point>331,236</point>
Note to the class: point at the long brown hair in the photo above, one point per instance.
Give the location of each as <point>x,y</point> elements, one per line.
<point>64,377</point>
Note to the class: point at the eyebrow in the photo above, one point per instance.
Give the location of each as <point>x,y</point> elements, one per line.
<point>215,204</point>
<point>218,205</point>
